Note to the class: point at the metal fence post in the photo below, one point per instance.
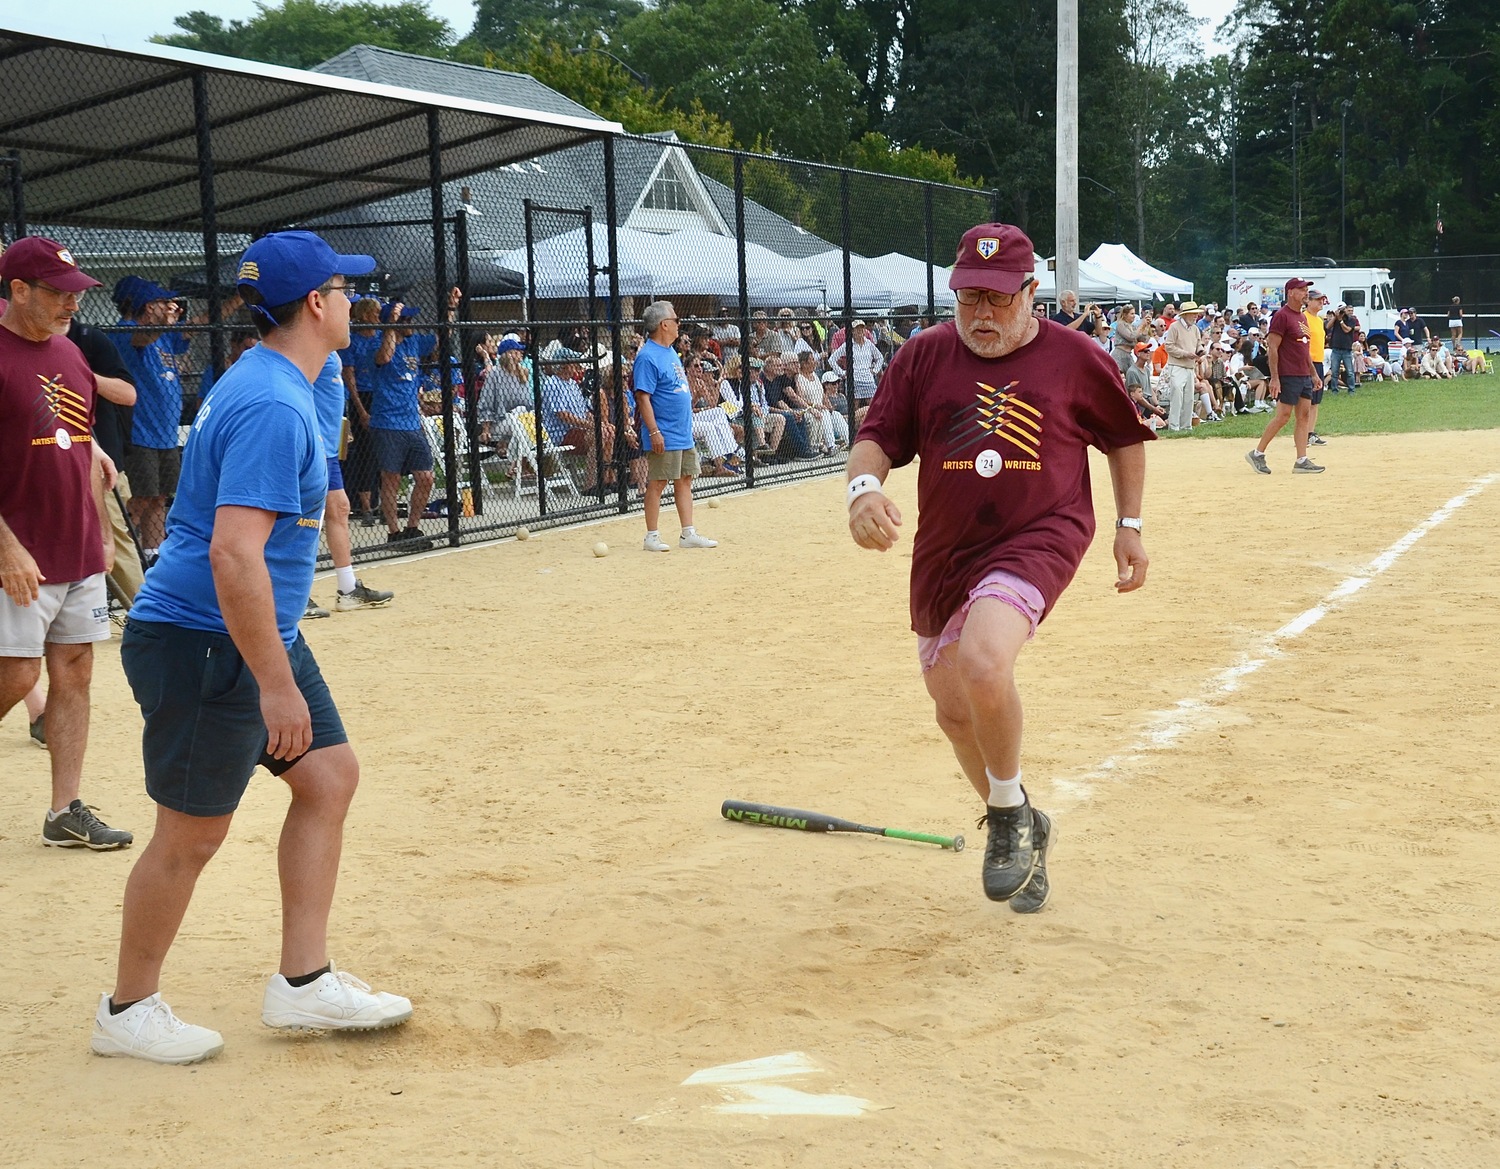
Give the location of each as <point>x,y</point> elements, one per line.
<point>466,352</point>
<point>17,195</point>
<point>620,401</point>
<point>536,365</point>
<point>847,236</point>
<point>592,361</point>
<point>210,213</point>
<point>747,411</point>
<point>927,225</point>
<point>445,339</point>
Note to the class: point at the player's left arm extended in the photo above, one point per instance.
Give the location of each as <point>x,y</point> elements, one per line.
<point>1127,474</point>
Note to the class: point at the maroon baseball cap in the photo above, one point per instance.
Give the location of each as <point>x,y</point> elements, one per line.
<point>1297,282</point>
<point>994,256</point>
<point>38,258</point>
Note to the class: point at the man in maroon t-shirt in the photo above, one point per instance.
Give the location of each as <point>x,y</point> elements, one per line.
<point>55,542</point>
<point>1002,408</point>
<point>1294,381</point>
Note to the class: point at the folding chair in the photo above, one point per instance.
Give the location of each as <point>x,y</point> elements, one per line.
<point>524,459</point>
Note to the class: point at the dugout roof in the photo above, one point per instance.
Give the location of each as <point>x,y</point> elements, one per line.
<point>110,138</point>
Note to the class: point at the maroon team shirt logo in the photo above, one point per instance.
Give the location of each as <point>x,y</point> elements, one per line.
<point>57,409</point>
<point>999,432</point>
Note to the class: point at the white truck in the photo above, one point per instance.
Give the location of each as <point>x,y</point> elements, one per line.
<point>1368,291</point>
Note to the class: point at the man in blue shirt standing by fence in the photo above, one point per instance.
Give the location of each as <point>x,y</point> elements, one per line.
<point>664,419</point>
<point>226,682</point>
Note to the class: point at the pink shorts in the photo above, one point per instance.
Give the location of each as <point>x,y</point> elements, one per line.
<point>1003,586</point>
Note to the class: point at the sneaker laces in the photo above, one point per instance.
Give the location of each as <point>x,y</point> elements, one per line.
<point>997,849</point>
<point>350,981</point>
<point>163,1016</point>
<point>89,821</point>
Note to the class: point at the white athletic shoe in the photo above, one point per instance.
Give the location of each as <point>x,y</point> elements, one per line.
<point>336,1001</point>
<point>149,1030</point>
<point>654,543</point>
<point>695,541</point>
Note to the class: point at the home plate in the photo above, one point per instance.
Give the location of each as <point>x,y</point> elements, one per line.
<point>754,1088</point>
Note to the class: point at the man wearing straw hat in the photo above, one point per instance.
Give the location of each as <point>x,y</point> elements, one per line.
<point>1184,344</point>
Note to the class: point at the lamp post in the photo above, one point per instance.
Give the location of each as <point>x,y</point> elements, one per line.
<point>1344,178</point>
<point>1296,182</point>
<point>1234,152</point>
<point>640,79</point>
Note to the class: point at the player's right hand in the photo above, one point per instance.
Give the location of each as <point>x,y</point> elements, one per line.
<point>874,521</point>
<point>20,577</point>
<point>288,722</point>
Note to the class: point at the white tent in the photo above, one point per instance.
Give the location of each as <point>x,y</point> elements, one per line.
<point>1094,283</point>
<point>871,290</point>
<point>684,263</point>
<point>907,277</point>
<point>1120,261</point>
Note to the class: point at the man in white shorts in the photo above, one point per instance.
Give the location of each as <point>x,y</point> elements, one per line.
<point>56,543</point>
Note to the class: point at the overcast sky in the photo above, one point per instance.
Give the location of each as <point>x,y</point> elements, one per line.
<point>127,22</point>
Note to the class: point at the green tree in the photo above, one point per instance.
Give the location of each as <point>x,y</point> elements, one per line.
<point>592,79</point>
<point>752,65</point>
<point>500,24</point>
<point>303,33</point>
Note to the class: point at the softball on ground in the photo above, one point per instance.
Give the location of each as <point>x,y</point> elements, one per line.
<point>601,549</point>
<point>523,533</point>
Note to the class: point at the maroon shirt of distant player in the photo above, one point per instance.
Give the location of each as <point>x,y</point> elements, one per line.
<point>1294,355</point>
<point>1004,475</point>
<point>46,455</point>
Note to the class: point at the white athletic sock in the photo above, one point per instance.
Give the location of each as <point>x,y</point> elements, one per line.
<point>653,532</point>
<point>346,578</point>
<point>689,530</point>
<point>1005,793</point>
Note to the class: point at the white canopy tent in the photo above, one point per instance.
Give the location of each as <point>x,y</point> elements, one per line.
<point>907,278</point>
<point>1094,283</point>
<point>684,263</point>
<point>871,290</point>
<point>1120,261</point>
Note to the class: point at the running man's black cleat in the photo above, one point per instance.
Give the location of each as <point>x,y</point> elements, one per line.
<point>1038,889</point>
<point>1009,854</point>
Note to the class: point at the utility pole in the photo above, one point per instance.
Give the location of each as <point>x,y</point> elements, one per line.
<point>1296,182</point>
<point>1344,179</point>
<point>1234,153</point>
<point>1067,146</point>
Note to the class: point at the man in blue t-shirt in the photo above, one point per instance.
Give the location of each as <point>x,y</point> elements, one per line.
<point>329,396</point>
<point>396,435</point>
<point>225,680</point>
<point>664,420</point>
<point>361,475</point>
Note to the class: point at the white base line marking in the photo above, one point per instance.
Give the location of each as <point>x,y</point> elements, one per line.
<point>1164,728</point>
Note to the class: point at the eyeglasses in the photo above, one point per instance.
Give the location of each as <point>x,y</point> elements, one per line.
<point>972,296</point>
<point>344,288</point>
<point>43,286</point>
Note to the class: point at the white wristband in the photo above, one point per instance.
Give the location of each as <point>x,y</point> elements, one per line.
<point>862,485</point>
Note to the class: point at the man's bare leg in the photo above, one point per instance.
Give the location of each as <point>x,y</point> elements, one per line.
<point>70,669</point>
<point>682,495</point>
<point>312,838</point>
<point>157,896</point>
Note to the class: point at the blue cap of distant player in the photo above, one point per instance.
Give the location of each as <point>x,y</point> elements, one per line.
<point>408,311</point>
<point>286,265</point>
<point>133,293</point>
<point>510,345</point>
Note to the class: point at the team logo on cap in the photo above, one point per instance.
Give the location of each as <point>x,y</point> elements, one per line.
<point>249,270</point>
<point>66,257</point>
<point>987,246</point>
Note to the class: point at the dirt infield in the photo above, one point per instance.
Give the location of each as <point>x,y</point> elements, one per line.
<point>1272,940</point>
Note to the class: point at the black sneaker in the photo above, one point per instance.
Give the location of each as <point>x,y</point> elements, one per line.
<point>414,539</point>
<point>1009,854</point>
<point>1316,439</point>
<point>39,731</point>
<point>1034,895</point>
<point>361,597</point>
<point>78,827</point>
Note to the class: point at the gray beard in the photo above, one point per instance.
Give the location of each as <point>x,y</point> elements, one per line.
<point>1008,337</point>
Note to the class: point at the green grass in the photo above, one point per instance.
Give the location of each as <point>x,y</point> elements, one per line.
<point>1467,402</point>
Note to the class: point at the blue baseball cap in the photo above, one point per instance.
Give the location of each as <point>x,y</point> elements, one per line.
<point>133,293</point>
<point>408,311</point>
<point>510,345</point>
<point>286,265</point>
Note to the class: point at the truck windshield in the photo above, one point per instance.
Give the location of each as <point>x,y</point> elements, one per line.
<point>1353,297</point>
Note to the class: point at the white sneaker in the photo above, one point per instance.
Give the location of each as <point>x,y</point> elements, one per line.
<point>149,1030</point>
<point>695,541</point>
<point>336,1001</point>
<point>654,543</point>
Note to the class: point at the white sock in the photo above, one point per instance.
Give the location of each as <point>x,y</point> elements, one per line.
<point>1005,793</point>
<point>346,578</point>
<point>689,530</point>
<point>653,534</point>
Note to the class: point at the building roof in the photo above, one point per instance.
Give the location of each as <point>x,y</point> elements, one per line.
<point>109,138</point>
<point>454,78</point>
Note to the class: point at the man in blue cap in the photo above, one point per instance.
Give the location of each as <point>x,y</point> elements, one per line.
<point>225,680</point>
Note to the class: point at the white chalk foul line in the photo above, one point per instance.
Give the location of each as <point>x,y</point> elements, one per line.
<point>1164,728</point>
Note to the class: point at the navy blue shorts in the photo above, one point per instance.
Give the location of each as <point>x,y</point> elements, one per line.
<point>1294,388</point>
<point>335,475</point>
<point>401,452</point>
<point>204,734</point>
